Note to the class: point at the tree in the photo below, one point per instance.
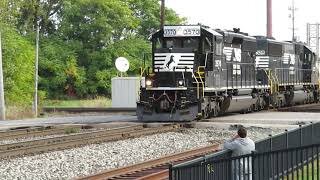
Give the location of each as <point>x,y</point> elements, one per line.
<point>60,74</point>
<point>95,26</point>
<point>80,40</point>
<point>18,64</point>
<point>9,12</point>
<point>148,13</point>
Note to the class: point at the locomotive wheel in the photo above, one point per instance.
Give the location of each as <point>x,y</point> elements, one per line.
<point>255,107</point>
<point>214,112</point>
<point>206,113</point>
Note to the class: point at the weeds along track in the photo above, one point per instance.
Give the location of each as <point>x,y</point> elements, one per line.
<point>80,139</point>
<point>153,169</point>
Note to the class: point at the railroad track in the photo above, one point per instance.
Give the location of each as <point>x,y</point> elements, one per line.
<point>32,132</point>
<point>80,139</point>
<point>153,169</point>
<point>314,107</point>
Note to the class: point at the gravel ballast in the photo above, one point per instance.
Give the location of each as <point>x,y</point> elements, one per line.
<point>90,159</point>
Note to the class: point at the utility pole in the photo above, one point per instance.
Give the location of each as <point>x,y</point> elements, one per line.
<point>313,40</point>
<point>2,104</point>
<point>313,37</point>
<point>35,102</point>
<point>292,16</point>
<point>162,15</point>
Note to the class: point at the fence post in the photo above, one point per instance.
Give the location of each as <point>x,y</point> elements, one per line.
<point>300,129</point>
<point>287,138</point>
<point>287,156</point>
<point>271,165</point>
<point>170,171</point>
<point>205,168</point>
<point>301,152</point>
<point>253,173</point>
<point>311,132</point>
<point>270,139</point>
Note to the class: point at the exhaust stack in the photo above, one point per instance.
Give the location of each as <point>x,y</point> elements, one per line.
<point>269,18</point>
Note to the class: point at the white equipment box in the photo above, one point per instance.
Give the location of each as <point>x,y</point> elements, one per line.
<point>125,92</point>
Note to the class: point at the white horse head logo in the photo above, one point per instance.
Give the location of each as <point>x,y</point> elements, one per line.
<point>170,62</point>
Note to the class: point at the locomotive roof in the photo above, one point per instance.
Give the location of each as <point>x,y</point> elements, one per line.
<point>214,32</point>
<point>239,35</point>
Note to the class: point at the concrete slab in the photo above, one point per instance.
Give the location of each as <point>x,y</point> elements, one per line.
<point>66,120</point>
<point>265,119</point>
<point>269,117</point>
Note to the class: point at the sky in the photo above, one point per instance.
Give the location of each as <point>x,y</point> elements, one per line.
<point>249,15</point>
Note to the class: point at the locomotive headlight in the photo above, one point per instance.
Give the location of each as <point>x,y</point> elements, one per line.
<point>180,82</point>
<point>148,82</point>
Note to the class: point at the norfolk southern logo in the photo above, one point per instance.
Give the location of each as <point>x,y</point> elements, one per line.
<point>171,62</point>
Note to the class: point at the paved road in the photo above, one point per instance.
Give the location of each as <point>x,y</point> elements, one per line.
<point>271,117</point>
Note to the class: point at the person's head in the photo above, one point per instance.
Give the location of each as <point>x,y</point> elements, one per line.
<point>242,132</point>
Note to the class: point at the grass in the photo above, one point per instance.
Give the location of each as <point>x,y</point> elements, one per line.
<point>25,112</point>
<point>98,102</point>
<point>297,175</point>
<point>71,130</point>
<point>18,112</point>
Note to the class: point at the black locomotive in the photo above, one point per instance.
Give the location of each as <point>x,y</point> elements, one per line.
<point>199,72</point>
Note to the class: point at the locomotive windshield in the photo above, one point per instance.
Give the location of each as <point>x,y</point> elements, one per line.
<point>185,42</point>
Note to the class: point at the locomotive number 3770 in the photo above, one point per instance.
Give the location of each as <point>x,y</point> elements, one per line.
<point>179,31</point>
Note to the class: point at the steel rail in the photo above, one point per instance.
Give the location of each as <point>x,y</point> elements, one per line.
<point>31,132</point>
<point>114,173</point>
<point>71,141</point>
<point>164,174</point>
<point>67,137</point>
<point>313,107</point>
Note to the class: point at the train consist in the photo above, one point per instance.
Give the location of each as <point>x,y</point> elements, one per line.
<point>198,72</point>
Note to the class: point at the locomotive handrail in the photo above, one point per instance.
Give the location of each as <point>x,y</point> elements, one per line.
<point>142,70</point>
<point>200,77</point>
<point>277,82</point>
<point>201,67</point>
<point>202,83</point>
<point>206,60</point>
<point>274,87</point>
<point>197,84</point>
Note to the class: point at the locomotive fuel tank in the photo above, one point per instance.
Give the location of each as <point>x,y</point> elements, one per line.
<point>299,97</point>
<point>241,103</point>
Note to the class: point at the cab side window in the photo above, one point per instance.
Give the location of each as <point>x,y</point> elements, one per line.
<point>206,44</point>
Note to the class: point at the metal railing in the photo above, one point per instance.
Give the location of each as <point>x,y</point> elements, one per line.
<point>294,163</point>
<point>283,146</point>
<point>273,81</point>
